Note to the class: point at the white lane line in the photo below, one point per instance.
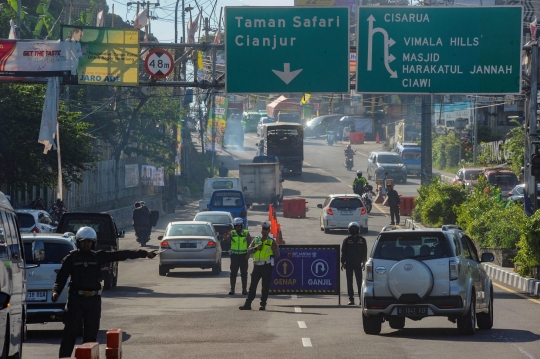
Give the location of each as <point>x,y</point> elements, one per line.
<point>302,324</point>
<point>294,296</point>
<point>306,342</point>
<point>297,310</point>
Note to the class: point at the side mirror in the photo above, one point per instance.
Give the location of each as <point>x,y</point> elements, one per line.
<point>319,206</point>
<point>160,238</point>
<point>121,234</point>
<point>487,257</point>
<point>38,251</point>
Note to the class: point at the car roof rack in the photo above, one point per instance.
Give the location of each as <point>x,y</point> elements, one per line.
<point>389,228</point>
<point>447,227</point>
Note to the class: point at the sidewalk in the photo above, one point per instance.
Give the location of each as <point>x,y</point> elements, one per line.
<point>503,275</point>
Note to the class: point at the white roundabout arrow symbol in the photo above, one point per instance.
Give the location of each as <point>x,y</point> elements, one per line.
<point>287,75</point>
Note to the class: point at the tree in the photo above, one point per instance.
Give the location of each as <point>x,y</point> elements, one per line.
<point>515,146</point>
<point>21,156</point>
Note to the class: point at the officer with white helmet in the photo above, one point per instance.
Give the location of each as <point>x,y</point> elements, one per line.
<point>240,240</point>
<point>359,183</point>
<point>84,299</point>
<point>353,258</point>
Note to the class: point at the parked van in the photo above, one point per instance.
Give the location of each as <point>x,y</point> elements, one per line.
<point>12,282</point>
<point>212,184</point>
<point>232,201</point>
<point>411,155</point>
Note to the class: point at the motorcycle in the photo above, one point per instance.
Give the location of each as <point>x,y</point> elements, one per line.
<point>367,198</point>
<point>330,138</point>
<point>349,162</point>
<point>142,235</point>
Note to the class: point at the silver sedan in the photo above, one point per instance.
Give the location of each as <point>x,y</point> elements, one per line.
<point>189,244</point>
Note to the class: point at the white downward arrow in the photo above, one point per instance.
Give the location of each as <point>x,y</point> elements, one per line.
<point>287,75</point>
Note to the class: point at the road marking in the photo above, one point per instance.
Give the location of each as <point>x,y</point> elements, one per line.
<point>307,163</point>
<point>306,342</point>
<point>380,209</point>
<point>294,296</point>
<point>516,293</point>
<point>297,310</point>
<point>302,325</point>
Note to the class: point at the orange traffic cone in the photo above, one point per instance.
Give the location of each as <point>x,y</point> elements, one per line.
<point>377,139</point>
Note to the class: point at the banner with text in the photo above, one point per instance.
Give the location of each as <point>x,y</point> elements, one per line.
<point>36,58</point>
<point>152,176</point>
<point>306,269</point>
<point>217,121</point>
<point>106,56</point>
<point>132,175</point>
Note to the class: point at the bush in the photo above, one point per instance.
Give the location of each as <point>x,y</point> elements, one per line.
<point>529,245</point>
<point>436,203</point>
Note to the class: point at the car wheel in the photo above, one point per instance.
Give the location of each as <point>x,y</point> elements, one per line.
<point>7,338</point>
<point>216,268</point>
<point>404,180</point>
<point>397,323</point>
<point>326,230</point>
<point>467,324</point>
<point>485,320</point>
<point>372,325</point>
<point>108,281</point>
<point>163,271</point>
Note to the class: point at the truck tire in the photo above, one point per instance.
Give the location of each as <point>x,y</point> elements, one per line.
<point>163,271</point>
<point>372,325</point>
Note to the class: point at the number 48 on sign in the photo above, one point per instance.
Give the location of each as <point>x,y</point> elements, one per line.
<point>159,63</point>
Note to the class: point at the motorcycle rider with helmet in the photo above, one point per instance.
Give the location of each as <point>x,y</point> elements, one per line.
<point>349,153</point>
<point>141,222</point>
<point>83,266</point>
<point>359,183</point>
<point>240,241</point>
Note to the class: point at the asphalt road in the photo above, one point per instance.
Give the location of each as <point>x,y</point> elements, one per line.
<point>188,314</point>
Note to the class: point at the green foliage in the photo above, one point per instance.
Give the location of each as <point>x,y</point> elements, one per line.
<point>529,245</point>
<point>437,202</point>
<point>515,145</point>
<point>446,151</point>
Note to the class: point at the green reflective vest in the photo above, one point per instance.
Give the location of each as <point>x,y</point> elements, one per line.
<point>239,242</point>
<point>263,254</point>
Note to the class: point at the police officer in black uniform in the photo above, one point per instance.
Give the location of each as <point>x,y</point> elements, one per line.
<point>353,258</point>
<point>84,299</point>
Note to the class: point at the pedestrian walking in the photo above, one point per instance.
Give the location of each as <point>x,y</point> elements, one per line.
<point>240,239</point>
<point>84,298</point>
<point>264,249</point>
<point>353,259</point>
<point>393,202</point>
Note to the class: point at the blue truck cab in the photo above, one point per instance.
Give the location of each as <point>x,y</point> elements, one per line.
<point>229,200</point>
<point>411,155</point>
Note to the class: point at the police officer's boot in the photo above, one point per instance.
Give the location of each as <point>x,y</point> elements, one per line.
<point>246,306</point>
<point>244,286</point>
<point>233,284</point>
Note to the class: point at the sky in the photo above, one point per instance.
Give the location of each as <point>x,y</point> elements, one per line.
<point>163,27</point>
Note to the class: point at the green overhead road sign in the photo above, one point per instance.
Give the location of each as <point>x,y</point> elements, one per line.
<point>473,50</point>
<point>286,49</point>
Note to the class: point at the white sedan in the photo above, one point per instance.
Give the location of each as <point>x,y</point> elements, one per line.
<point>338,210</point>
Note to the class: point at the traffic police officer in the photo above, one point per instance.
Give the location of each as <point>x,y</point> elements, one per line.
<point>359,183</point>
<point>84,298</point>
<point>353,258</point>
<point>264,249</point>
<point>240,239</point>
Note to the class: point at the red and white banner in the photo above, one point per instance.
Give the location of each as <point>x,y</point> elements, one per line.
<point>37,58</point>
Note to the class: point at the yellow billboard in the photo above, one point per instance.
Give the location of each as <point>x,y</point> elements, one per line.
<point>106,56</point>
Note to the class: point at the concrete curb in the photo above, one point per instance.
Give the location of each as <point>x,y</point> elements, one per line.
<point>503,275</point>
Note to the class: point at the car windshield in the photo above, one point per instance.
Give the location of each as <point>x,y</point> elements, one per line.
<point>389,159</point>
<point>316,121</point>
<point>399,246</point>
<point>472,174</point>
<point>227,199</point>
<point>206,217</point>
<point>346,203</point>
<point>503,179</point>
<point>101,226</point>
<point>411,155</point>
<point>54,252</point>
<point>26,220</point>
<point>188,230</point>
<point>222,185</point>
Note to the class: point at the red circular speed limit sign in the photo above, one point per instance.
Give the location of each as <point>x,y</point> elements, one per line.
<point>159,63</point>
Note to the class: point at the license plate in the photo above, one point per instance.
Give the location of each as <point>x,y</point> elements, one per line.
<point>413,311</point>
<point>188,245</point>
<point>346,213</point>
<point>36,296</point>
<point>414,172</point>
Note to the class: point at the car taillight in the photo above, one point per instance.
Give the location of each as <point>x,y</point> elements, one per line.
<point>454,270</point>
<point>363,211</point>
<point>329,211</point>
<point>164,245</point>
<point>211,244</point>
<point>369,272</point>
<point>35,230</point>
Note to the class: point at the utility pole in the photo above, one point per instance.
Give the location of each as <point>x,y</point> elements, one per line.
<point>426,144</point>
<point>531,122</point>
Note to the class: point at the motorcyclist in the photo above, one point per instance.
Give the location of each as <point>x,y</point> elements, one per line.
<point>359,183</point>
<point>348,151</point>
<point>141,220</point>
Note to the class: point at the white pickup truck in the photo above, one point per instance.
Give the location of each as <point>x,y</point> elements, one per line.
<point>212,184</point>
<point>262,183</point>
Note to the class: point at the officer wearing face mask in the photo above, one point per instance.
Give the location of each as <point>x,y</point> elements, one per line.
<point>84,298</point>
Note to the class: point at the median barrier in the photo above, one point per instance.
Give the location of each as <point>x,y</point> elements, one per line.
<point>406,205</point>
<point>295,207</point>
<point>356,138</point>
<point>114,344</point>
<point>87,351</point>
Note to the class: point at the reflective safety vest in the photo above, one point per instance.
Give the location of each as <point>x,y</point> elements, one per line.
<point>358,180</point>
<point>263,254</point>
<point>239,243</point>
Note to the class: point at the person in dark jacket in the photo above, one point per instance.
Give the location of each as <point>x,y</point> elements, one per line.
<point>223,170</point>
<point>141,220</point>
<point>353,259</point>
<point>393,202</point>
<point>84,297</point>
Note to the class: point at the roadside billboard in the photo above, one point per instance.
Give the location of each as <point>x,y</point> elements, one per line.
<point>217,121</point>
<point>106,56</point>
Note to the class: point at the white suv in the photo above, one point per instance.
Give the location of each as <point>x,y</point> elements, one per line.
<point>35,221</point>
<point>40,280</point>
<point>421,273</point>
